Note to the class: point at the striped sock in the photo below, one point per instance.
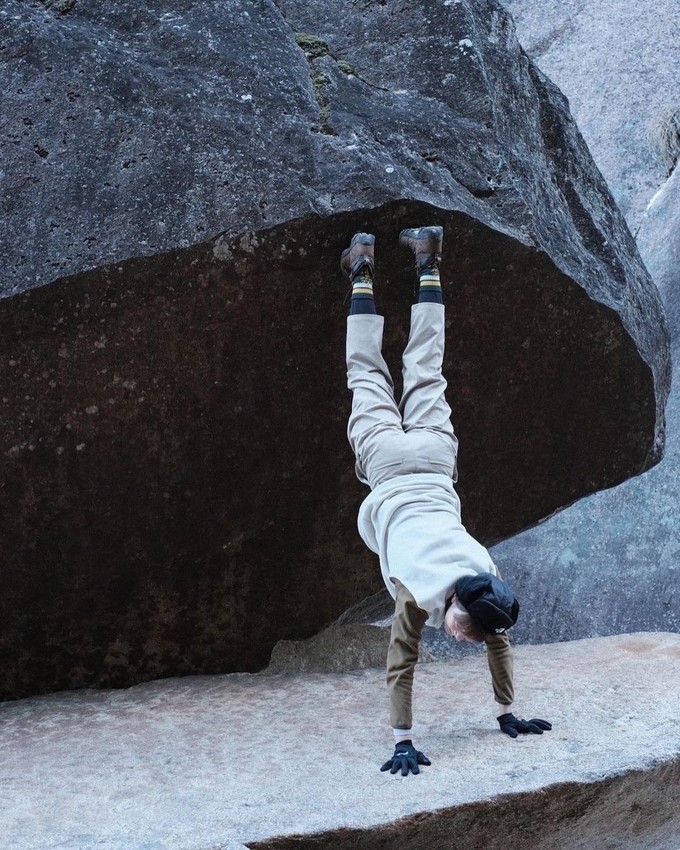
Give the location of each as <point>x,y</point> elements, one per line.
<point>430,286</point>
<point>362,293</point>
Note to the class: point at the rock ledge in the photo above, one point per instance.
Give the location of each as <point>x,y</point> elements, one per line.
<point>219,761</point>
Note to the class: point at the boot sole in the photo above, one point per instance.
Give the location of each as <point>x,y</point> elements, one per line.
<point>358,238</point>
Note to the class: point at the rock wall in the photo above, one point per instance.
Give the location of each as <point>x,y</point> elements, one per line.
<point>610,563</point>
<point>617,62</point>
<point>178,182</point>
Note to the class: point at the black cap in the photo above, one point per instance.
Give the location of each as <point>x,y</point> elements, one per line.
<point>489,601</point>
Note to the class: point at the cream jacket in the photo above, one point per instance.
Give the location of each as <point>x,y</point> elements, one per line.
<point>412,522</point>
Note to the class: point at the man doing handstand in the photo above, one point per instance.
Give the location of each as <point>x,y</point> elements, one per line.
<point>436,572</point>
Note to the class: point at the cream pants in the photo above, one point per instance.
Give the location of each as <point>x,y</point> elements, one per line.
<point>416,435</point>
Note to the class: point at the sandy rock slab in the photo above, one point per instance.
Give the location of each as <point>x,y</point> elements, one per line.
<point>202,763</point>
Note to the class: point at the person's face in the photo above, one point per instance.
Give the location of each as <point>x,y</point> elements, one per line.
<point>451,626</point>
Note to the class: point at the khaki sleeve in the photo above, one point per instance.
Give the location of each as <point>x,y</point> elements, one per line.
<point>499,658</point>
<point>402,655</point>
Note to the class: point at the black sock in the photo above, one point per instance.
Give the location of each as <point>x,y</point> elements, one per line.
<point>362,293</point>
<point>430,286</point>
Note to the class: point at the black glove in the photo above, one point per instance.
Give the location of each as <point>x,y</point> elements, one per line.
<point>406,757</point>
<point>513,726</point>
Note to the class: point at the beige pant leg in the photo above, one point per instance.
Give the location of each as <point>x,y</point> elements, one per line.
<point>423,403</point>
<point>374,411</point>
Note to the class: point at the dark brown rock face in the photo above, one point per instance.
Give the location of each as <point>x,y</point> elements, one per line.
<point>178,181</point>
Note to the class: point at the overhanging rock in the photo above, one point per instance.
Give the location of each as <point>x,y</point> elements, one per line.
<point>178,182</point>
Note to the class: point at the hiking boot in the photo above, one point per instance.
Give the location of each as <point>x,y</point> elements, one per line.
<point>426,244</point>
<point>358,255</point>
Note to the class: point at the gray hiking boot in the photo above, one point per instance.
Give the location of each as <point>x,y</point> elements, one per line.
<point>358,255</point>
<point>426,244</point>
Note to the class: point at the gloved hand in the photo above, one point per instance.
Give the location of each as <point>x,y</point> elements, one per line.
<point>513,726</point>
<point>406,757</point>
